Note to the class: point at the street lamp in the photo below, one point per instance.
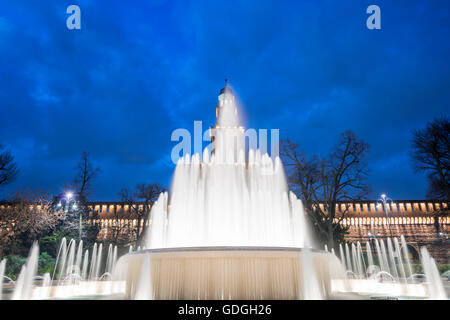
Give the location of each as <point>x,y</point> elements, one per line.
<point>443,236</point>
<point>70,203</point>
<point>383,201</point>
<point>372,238</point>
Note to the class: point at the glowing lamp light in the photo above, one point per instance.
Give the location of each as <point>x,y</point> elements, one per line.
<point>74,206</point>
<point>69,195</point>
<point>383,196</point>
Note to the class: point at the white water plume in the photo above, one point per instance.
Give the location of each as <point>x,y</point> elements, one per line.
<point>79,256</point>
<point>398,254</point>
<point>2,273</point>
<point>348,257</point>
<point>144,289</point>
<point>384,258</point>
<point>98,261</point>
<point>369,254</point>
<point>93,266</point>
<point>406,255</point>
<point>342,256</point>
<point>70,259</point>
<point>60,258</point>
<point>435,287</point>
<point>224,200</point>
<point>24,284</point>
<point>360,260</point>
<point>392,258</point>
<point>84,270</point>
<point>311,287</point>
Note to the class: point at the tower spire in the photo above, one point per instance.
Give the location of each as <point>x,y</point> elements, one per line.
<point>226,89</point>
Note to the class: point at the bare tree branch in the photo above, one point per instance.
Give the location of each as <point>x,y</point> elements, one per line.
<point>140,203</point>
<point>431,153</point>
<point>8,168</point>
<point>340,176</point>
<point>86,173</point>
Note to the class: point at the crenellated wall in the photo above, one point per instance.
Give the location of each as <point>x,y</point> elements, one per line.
<point>408,212</point>
<point>415,219</point>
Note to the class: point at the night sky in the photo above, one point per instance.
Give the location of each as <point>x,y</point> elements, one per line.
<point>137,70</point>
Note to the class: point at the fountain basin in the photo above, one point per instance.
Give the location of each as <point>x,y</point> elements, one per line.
<point>228,273</point>
<point>81,289</point>
<point>371,288</point>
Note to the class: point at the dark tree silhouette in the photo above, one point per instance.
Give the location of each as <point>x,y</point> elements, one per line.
<point>339,177</point>
<point>86,173</point>
<point>8,167</point>
<point>431,154</point>
<point>140,203</point>
<point>76,211</point>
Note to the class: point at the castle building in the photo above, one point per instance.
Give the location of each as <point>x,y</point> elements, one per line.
<point>419,221</point>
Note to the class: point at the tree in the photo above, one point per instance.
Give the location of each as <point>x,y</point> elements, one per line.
<point>431,154</point>
<point>339,177</point>
<point>86,173</point>
<point>25,217</point>
<point>8,168</point>
<point>73,206</point>
<point>78,207</point>
<point>140,203</point>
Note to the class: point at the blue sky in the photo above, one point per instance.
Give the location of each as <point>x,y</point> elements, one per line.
<point>137,70</point>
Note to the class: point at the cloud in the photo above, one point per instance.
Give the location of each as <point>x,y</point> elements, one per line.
<point>133,73</point>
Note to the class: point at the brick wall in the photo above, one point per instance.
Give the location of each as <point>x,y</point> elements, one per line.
<point>416,236</point>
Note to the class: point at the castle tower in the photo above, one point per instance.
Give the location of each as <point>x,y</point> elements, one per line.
<point>227,133</point>
<point>225,96</point>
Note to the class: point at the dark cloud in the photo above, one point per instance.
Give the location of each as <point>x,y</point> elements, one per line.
<point>135,72</point>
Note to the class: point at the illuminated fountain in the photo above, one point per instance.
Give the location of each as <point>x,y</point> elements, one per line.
<point>392,276</point>
<point>70,278</point>
<point>230,229</point>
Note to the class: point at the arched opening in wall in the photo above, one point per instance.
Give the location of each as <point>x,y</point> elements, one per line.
<point>412,253</point>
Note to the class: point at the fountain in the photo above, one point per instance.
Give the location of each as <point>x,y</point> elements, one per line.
<point>23,289</point>
<point>230,229</point>
<point>436,290</point>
